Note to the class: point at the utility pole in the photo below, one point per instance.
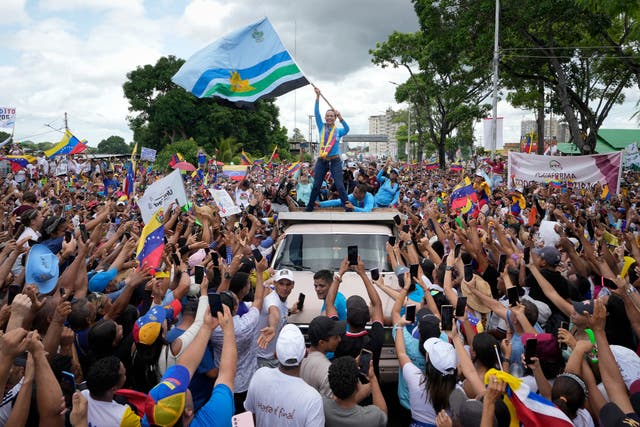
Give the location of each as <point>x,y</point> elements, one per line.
<point>494,122</point>
<point>66,126</point>
<point>406,148</point>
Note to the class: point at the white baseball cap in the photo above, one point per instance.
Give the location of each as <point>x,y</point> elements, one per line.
<point>283,274</point>
<point>290,346</point>
<point>442,355</point>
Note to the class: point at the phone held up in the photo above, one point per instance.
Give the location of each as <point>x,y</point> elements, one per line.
<point>352,255</point>
<point>363,364</point>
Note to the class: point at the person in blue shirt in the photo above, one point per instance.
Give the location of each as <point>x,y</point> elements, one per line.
<point>202,159</point>
<point>389,190</point>
<point>329,157</point>
<point>321,282</point>
<point>358,201</point>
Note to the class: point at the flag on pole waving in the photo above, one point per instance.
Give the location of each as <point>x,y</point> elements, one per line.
<point>242,67</point>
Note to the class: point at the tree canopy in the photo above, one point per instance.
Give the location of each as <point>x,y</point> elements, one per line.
<point>113,145</point>
<point>163,113</point>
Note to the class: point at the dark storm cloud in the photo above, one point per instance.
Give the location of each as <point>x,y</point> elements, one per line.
<point>333,38</point>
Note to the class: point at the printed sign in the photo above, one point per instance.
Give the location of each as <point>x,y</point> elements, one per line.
<point>576,171</point>
<point>224,202</point>
<point>161,194</point>
<point>148,154</point>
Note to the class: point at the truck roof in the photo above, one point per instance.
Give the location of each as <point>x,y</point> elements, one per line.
<point>379,216</point>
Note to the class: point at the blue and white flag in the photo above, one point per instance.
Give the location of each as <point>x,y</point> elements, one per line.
<point>242,67</point>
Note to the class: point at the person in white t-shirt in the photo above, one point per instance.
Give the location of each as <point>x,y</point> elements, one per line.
<point>273,317</point>
<point>278,396</point>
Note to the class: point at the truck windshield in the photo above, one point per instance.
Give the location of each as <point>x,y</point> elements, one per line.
<point>315,252</point>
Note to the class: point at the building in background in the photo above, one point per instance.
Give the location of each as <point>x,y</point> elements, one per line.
<point>383,124</point>
<point>552,127</point>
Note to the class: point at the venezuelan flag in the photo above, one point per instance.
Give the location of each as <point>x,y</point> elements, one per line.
<point>176,158</point>
<point>555,184</point>
<point>19,162</point>
<point>461,193</point>
<point>258,161</point>
<point>151,243</point>
<point>69,144</point>
<point>431,166</point>
<point>245,159</point>
<point>236,173</point>
<point>293,168</point>
<point>527,407</point>
<point>455,167</point>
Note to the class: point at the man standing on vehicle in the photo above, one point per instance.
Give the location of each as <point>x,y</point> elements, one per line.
<point>329,156</point>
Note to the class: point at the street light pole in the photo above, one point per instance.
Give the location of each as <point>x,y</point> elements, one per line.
<point>406,148</point>
<point>494,122</point>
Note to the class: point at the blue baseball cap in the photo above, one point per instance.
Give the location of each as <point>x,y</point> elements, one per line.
<point>42,269</point>
<point>99,281</point>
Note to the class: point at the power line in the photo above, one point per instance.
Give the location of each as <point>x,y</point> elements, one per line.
<point>573,57</point>
<point>559,47</point>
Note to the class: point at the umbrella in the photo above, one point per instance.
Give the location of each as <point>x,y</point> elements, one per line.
<point>185,166</point>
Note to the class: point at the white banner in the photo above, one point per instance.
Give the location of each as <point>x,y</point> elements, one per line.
<point>161,194</point>
<point>7,117</point>
<point>575,171</point>
<point>486,141</point>
<point>225,203</point>
<point>148,154</point>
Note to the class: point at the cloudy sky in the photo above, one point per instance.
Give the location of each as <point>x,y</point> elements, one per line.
<point>73,56</point>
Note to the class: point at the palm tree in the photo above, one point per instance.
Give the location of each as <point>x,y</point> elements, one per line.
<point>228,149</point>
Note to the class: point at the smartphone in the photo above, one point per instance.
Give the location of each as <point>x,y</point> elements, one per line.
<point>468,272</point>
<point>530,350</point>
<point>198,274</point>
<point>564,325</point>
<point>244,419</point>
<point>215,304</point>
<point>82,386</point>
<point>502,262</point>
<point>215,257</point>
<point>127,235</point>
<point>182,241</point>
<point>397,220</point>
<point>413,268</point>
<point>392,240</point>
<point>456,251</point>
<point>446,317</point>
<point>608,283</point>
<point>431,225</point>
<point>300,303</point>
<point>410,313</point>
<point>67,236</point>
<point>12,292</point>
<point>526,254</point>
<point>257,255</point>
<point>512,295</point>
<point>352,255</point>
<point>83,233</point>
<point>375,274</point>
<point>68,385</point>
<point>365,360</point>
<point>175,258</point>
<point>461,306</point>
<point>406,228</point>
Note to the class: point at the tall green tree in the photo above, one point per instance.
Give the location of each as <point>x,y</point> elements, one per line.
<point>448,81</point>
<point>559,45</point>
<point>162,113</point>
<point>113,145</point>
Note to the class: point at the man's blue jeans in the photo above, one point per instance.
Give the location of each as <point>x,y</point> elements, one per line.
<point>322,166</point>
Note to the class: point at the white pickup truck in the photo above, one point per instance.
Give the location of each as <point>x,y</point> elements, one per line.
<point>318,240</point>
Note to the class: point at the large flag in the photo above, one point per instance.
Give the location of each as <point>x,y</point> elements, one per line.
<point>69,144</point>
<point>151,243</point>
<point>19,162</point>
<point>527,407</point>
<point>129,180</point>
<point>242,67</point>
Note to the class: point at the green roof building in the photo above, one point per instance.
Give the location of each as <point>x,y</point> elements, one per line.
<point>609,140</point>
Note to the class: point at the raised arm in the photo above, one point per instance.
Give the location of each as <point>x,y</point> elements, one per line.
<point>548,289</point>
<point>376,303</point>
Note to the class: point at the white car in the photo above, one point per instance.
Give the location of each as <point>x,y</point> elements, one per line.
<point>318,240</point>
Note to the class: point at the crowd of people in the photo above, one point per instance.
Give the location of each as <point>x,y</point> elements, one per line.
<point>493,322</point>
